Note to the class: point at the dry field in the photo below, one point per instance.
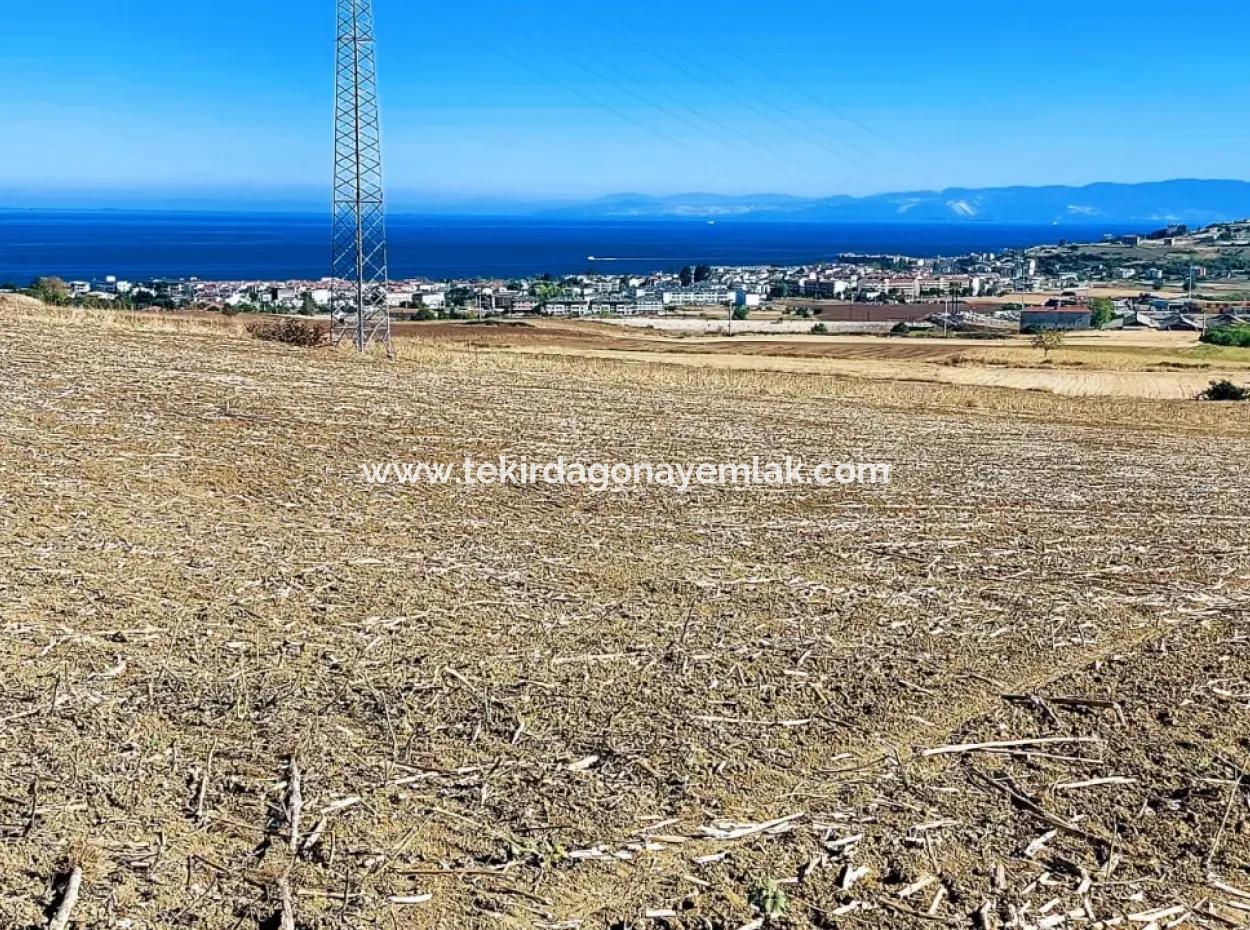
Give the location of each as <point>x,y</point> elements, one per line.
<point>241,688</point>
<point>1169,366</point>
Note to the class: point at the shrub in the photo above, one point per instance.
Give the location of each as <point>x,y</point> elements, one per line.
<point>1225,390</point>
<point>1048,340</point>
<point>1235,336</point>
<point>51,290</point>
<point>900,329</point>
<point>820,329</point>
<point>293,332</point>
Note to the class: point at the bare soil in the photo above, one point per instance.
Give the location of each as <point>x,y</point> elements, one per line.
<point>551,707</point>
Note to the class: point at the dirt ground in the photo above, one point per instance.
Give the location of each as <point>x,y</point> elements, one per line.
<point>241,687</point>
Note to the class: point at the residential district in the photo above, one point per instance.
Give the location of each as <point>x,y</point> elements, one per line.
<point>1172,278</point>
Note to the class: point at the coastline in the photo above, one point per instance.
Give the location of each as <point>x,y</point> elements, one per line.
<point>292,246</point>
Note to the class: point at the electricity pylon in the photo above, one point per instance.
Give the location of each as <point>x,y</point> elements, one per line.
<point>359,311</point>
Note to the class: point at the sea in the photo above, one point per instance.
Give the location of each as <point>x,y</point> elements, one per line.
<point>137,246</point>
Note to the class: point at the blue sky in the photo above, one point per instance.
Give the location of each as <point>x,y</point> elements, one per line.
<point>157,101</point>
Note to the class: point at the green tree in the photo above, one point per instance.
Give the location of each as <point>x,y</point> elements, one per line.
<point>548,290</point>
<point>687,276</point>
<point>308,307</point>
<point>702,273</point>
<point>1101,311</point>
<point>741,313</point>
<point>459,296</point>
<point>1235,336</point>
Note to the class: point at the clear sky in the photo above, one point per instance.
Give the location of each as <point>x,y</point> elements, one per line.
<point>106,101</point>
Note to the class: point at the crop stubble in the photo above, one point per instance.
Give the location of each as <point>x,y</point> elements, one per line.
<point>525,706</point>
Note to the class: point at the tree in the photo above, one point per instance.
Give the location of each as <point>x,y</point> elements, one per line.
<point>702,273</point>
<point>1048,340</point>
<point>459,296</point>
<point>687,276</point>
<point>548,290</point>
<point>51,290</point>
<point>308,307</point>
<point>1101,311</point>
<point>741,313</point>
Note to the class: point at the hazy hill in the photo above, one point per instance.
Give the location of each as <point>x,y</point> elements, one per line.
<point>1185,201</point>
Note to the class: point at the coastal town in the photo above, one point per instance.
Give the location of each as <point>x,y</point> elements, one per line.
<point>1170,278</point>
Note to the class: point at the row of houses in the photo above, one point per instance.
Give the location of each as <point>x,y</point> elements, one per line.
<point>1195,323</point>
<point>911,288</point>
<point>1166,318</point>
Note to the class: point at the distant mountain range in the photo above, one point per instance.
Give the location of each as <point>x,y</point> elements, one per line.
<point>1191,201</point>
<point>1128,206</point>
<point>1194,202</point>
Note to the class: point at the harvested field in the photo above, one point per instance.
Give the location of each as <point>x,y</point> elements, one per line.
<point>1172,366</point>
<point>953,368</point>
<point>243,688</point>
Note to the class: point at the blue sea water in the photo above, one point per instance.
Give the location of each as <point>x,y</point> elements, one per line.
<point>231,246</point>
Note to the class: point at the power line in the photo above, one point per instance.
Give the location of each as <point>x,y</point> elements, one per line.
<point>836,112</point>
<point>727,135</point>
<point>768,111</point>
<point>598,104</point>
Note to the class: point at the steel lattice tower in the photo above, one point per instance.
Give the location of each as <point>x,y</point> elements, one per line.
<point>358,309</point>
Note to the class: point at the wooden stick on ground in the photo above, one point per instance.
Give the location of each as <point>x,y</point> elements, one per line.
<point>69,897</point>
<point>294,803</point>
<point>286,919</point>
<point>1007,744</point>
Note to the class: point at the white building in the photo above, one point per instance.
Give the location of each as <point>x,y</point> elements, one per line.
<point>285,297</point>
<point>700,295</point>
<point>567,308</point>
